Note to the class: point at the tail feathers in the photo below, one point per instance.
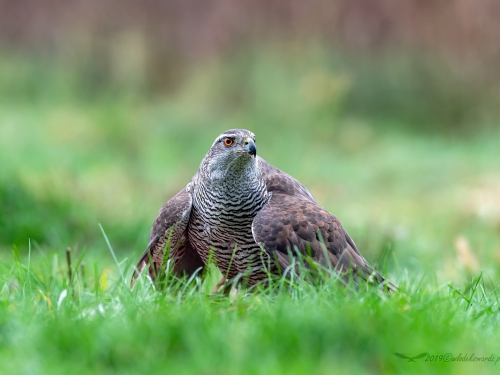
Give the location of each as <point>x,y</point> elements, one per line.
<point>146,257</point>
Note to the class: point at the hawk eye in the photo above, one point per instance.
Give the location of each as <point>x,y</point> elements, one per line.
<point>228,141</point>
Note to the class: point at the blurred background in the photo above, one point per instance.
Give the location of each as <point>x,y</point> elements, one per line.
<point>386,111</point>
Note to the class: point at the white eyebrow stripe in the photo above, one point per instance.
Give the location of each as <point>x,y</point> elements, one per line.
<point>233,135</point>
<point>226,136</point>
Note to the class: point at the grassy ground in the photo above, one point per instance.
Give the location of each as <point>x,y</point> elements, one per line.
<point>98,326</point>
<point>422,206</point>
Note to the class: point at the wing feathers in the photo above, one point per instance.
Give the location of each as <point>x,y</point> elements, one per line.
<point>169,230</point>
<point>292,224</point>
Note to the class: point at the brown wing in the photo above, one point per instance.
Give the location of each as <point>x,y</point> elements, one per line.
<point>169,231</point>
<point>292,224</point>
<point>278,181</point>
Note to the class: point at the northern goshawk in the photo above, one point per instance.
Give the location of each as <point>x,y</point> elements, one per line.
<point>251,218</point>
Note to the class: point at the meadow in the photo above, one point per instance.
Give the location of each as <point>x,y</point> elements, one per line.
<point>420,200</point>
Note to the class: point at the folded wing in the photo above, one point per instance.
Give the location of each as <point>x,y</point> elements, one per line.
<point>169,232</point>
<point>292,225</point>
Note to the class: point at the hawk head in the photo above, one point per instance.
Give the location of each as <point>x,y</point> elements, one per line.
<point>232,153</point>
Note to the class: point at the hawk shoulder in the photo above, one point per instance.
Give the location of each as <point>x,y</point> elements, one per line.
<point>292,225</point>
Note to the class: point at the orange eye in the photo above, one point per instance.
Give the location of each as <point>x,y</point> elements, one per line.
<point>228,141</point>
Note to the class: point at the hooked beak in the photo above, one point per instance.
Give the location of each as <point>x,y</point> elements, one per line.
<point>249,147</point>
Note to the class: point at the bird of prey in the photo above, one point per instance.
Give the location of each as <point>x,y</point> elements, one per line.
<point>252,219</point>
<point>410,359</point>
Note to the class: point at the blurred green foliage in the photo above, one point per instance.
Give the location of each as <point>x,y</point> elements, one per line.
<point>408,162</point>
<point>402,89</point>
<point>361,135</point>
<point>386,111</point>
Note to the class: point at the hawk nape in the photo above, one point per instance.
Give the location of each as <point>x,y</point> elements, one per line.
<point>253,219</point>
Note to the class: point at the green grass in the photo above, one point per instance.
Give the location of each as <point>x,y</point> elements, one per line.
<point>95,324</point>
<point>422,206</point>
